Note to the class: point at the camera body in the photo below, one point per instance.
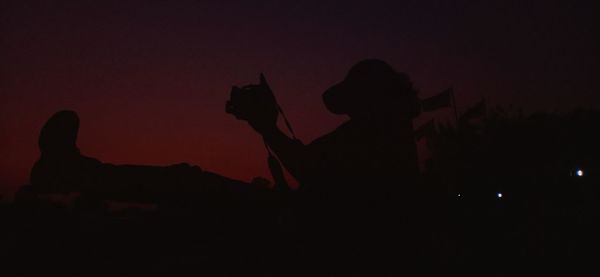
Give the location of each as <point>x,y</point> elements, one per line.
<point>252,102</point>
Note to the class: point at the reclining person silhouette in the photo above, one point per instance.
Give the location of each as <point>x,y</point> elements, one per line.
<point>61,168</point>
<point>358,182</point>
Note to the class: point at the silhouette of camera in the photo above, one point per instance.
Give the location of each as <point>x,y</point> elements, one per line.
<point>251,101</point>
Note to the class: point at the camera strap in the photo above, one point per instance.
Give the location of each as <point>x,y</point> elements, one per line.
<point>287,123</point>
<point>276,170</point>
<point>273,162</point>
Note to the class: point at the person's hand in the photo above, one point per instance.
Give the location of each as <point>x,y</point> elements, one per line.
<point>263,118</point>
<point>255,104</point>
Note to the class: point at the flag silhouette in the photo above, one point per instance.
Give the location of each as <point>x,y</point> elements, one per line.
<point>441,100</point>
<point>477,110</point>
<point>425,130</point>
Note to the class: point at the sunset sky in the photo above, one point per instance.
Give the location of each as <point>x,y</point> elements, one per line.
<point>149,79</point>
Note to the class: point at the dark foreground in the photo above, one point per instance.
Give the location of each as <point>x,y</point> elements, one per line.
<point>478,234</point>
<point>517,196</point>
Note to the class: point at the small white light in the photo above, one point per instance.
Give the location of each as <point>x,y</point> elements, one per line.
<point>499,195</point>
<point>579,172</point>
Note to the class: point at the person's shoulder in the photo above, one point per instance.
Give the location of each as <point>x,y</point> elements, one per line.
<point>333,135</point>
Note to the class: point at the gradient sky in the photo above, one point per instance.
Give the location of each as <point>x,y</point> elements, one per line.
<point>149,79</point>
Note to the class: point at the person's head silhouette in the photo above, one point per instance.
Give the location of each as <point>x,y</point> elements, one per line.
<point>372,88</point>
<point>59,134</point>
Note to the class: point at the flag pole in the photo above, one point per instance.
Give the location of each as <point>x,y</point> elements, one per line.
<point>455,109</point>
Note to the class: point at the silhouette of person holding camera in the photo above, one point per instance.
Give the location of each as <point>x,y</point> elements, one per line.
<point>357,181</point>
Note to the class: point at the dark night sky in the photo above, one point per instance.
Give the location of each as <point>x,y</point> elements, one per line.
<point>149,78</point>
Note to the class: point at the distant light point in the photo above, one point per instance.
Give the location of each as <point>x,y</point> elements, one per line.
<point>579,173</point>
<point>499,195</point>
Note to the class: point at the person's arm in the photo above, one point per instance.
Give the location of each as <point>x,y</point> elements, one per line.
<point>256,105</point>
<point>293,154</point>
